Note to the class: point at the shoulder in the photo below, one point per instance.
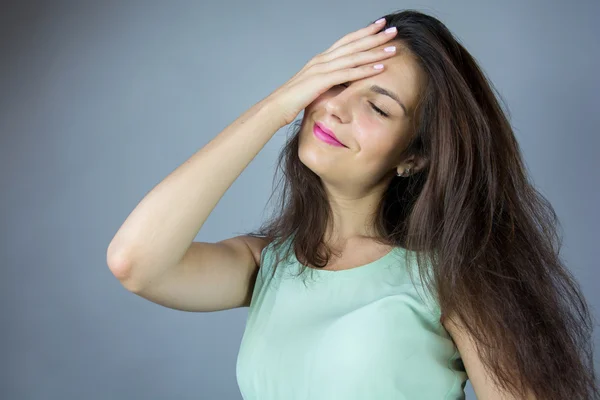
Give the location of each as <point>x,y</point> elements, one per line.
<point>480,378</point>
<point>256,245</point>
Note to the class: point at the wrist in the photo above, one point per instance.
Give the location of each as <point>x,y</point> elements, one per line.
<point>269,110</point>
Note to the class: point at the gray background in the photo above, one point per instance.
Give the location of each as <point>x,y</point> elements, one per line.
<point>99,101</point>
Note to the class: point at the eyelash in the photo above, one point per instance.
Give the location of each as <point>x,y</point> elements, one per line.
<point>375,108</point>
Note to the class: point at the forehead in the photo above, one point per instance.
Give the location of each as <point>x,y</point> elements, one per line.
<point>402,74</point>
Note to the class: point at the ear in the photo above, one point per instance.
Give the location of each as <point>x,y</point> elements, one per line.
<point>414,162</point>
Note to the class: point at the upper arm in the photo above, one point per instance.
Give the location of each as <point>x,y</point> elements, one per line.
<point>210,276</point>
<point>481,379</point>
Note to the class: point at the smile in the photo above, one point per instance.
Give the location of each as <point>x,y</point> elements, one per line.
<point>325,137</point>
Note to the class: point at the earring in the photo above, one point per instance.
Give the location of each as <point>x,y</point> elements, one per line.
<point>404,173</point>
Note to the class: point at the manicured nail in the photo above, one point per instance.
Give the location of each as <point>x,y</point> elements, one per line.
<point>380,21</point>
<point>378,66</point>
<point>390,30</point>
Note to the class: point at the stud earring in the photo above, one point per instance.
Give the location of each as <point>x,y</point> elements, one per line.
<point>404,173</point>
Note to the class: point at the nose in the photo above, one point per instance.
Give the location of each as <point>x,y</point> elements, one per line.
<point>339,104</point>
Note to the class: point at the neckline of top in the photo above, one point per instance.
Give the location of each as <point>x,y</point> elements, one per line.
<point>358,270</point>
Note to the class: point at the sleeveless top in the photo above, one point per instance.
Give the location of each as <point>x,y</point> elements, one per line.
<point>359,333</point>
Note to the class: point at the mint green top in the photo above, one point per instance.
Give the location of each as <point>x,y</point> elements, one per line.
<point>359,333</point>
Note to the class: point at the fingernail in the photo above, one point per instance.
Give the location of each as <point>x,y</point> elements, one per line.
<point>390,30</point>
<point>379,21</point>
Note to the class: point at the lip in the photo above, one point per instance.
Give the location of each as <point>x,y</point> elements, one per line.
<point>326,135</point>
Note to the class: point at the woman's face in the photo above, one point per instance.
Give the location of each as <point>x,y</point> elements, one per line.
<point>373,141</point>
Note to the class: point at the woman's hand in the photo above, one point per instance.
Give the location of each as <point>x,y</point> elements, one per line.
<point>350,58</point>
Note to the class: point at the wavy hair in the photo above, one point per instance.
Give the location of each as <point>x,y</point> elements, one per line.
<point>474,216</point>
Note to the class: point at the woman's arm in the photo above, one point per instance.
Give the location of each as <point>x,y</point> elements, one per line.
<point>158,232</point>
<point>481,380</point>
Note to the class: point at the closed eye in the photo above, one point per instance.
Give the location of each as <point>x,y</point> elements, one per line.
<point>373,106</point>
<point>377,109</point>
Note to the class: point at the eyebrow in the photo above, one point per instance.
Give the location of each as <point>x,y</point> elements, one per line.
<point>385,92</point>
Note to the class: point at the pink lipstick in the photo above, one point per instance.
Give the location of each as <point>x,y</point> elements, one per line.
<point>320,132</point>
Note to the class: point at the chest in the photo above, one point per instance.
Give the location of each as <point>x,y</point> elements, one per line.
<point>341,339</point>
<point>353,258</point>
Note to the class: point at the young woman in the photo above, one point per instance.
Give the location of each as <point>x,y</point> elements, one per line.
<point>404,165</point>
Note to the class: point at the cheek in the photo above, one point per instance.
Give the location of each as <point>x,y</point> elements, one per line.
<point>373,136</point>
<point>378,145</point>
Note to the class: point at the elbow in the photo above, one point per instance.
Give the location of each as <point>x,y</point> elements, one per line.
<point>121,267</point>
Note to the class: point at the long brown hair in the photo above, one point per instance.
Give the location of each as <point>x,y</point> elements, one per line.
<point>474,216</point>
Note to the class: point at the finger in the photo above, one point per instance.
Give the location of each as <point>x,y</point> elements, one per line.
<point>366,31</point>
<point>349,74</point>
<point>334,51</point>
<point>354,60</point>
<point>363,44</point>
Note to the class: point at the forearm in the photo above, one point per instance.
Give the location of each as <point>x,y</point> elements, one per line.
<point>162,226</point>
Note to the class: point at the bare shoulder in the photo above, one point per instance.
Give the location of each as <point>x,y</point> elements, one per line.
<point>255,244</point>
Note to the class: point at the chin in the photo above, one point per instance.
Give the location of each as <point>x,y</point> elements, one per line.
<point>314,158</point>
